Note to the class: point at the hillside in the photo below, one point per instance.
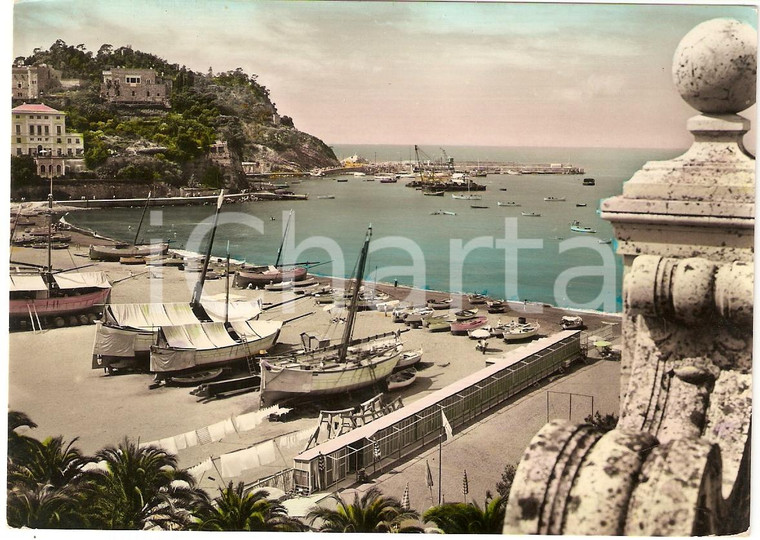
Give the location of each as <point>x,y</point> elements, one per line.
<point>171,144</point>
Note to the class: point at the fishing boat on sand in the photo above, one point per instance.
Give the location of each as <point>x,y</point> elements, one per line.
<point>254,277</point>
<point>114,253</point>
<point>464,326</point>
<point>409,358</point>
<point>439,304</point>
<point>477,298</point>
<point>571,322</point>
<point>330,370</point>
<point>402,379</point>
<point>519,331</point>
<point>497,306</point>
<point>41,297</point>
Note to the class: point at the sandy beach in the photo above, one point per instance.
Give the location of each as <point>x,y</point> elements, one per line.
<point>51,380</point>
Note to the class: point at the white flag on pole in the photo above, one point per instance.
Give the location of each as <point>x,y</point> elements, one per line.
<point>446,426</point>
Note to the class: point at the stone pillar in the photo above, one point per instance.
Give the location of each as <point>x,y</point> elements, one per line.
<point>678,461</point>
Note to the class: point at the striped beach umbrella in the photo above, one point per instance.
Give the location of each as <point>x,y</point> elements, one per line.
<point>465,485</point>
<point>405,498</point>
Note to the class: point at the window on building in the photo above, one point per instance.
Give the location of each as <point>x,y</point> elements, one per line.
<point>69,152</point>
<point>46,117</point>
<point>18,140</point>
<point>133,93</point>
<point>57,130</point>
<point>59,140</point>
<point>148,93</point>
<point>132,79</point>
<point>68,140</point>
<point>47,130</point>
<point>31,130</point>
<point>19,152</point>
<point>18,129</point>
<point>42,170</point>
<point>39,130</point>
<point>76,140</point>
<point>19,85</point>
<point>60,152</point>
<point>58,170</point>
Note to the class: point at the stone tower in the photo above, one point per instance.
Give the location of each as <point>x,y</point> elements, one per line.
<point>678,462</point>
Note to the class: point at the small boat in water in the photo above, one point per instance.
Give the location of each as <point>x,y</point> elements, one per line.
<point>589,182</point>
<point>511,203</point>
<point>443,213</point>
<point>342,180</point>
<point>386,179</point>
<point>478,206</point>
<point>580,204</point>
<point>531,214</point>
<point>464,326</point>
<point>554,199</point>
<point>576,226</point>
<point>402,379</point>
<point>325,196</point>
<point>466,196</point>
<point>608,241</point>
<point>433,193</point>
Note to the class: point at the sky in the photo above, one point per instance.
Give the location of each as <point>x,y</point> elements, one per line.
<point>428,73</point>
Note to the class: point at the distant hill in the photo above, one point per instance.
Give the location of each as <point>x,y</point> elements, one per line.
<point>144,142</point>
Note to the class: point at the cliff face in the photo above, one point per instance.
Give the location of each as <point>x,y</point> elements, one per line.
<point>173,144</point>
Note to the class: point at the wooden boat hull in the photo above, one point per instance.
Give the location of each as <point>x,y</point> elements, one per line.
<point>114,254</point>
<point>171,360</point>
<point>59,306</point>
<point>409,358</point>
<point>513,335</point>
<point>262,277</point>
<point>402,379</point>
<point>284,381</point>
<point>462,327</point>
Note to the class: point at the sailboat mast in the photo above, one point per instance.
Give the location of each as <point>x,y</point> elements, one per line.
<point>142,217</point>
<point>282,243</point>
<point>227,286</point>
<point>196,301</point>
<point>50,228</point>
<point>354,306</point>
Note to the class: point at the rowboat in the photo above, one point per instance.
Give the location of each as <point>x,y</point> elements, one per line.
<point>402,379</point>
<point>499,203</point>
<point>325,196</point>
<point>571,322</point>
<point>497,306</point>
<point>439,304</point>
<point>409,358</point>
<point>466,314</point>
<point>478,206</point>
<point>477,298</point>
<point>520,331</point>
<point>462,327</point>
<point>531,214</point>
<point>554,199</point>
<point>132,260</point>
<point>439,325</point>
<point>279,286</point>
<point>433,193</point>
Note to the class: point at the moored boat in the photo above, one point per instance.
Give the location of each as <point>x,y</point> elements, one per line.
<point>115,253</point>
<point>509,203</point>
<point>576,226</point>
<point>433,193</point>
<point>554,199</point>
<point>589,182</point>
<point>531,214</point>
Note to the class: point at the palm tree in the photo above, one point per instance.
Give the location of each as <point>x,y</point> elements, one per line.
<point>44,507</point>
<point>49,462</point>
<point>373,513</point>
<point>469,518</point>
<point>140,488</point>
<point>240,509</point>
<point>19,445</point>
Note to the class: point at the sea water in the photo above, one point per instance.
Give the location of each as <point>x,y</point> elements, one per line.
<point>494,251</point>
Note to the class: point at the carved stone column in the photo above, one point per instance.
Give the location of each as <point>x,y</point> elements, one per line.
<point>678,461</point>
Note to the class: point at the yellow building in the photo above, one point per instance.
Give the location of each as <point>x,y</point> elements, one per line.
<point>40,131</point>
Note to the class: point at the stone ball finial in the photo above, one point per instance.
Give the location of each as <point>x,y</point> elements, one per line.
<point>715,66</point>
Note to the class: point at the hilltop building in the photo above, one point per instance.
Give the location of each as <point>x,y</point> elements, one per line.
<point>40,131</point>
<point>135,86</point>
<point>31,82</point>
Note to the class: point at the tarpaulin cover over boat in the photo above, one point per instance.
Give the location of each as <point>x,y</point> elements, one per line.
<point>178,313</point>
<point>27,283</point>
<point>196,345</point>
<point>236,311</point>
<point>77,280</point>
